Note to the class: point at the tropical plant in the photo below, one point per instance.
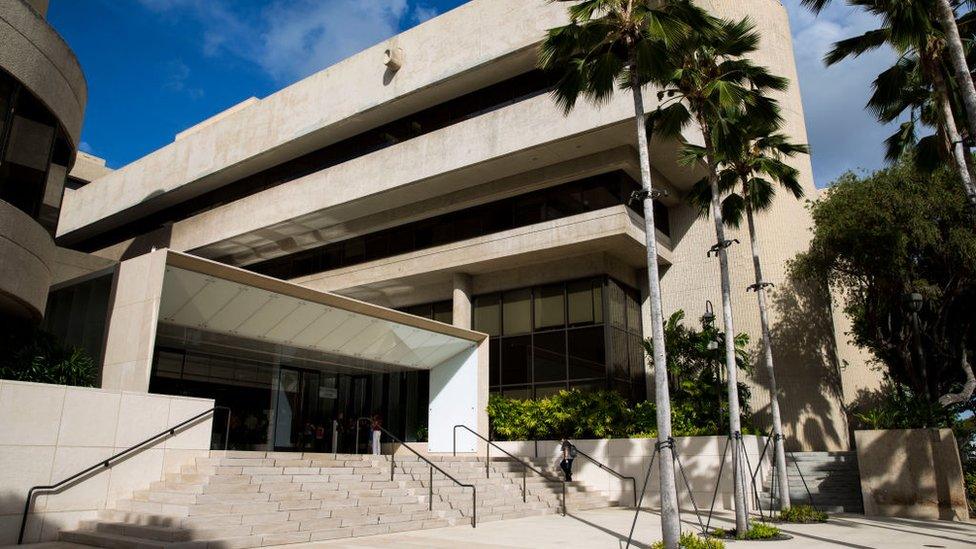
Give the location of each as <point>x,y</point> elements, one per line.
<point>691,541</point>
<point>752,154</point>
<point>695,365</point>
<point>917,30</point>
<point>610,44</point>
<point>706,79</point>
<point>802,514</point>
<point>41,357</point>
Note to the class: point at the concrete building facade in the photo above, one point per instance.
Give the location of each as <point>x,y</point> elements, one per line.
<point>433,174</point>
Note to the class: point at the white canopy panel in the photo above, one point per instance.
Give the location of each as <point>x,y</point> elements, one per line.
<point>194,300</point>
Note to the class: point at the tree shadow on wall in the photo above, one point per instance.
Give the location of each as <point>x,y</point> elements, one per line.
<point>807,370</point>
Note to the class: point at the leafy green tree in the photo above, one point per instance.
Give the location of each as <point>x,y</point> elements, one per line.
<point>753,164</point>
<point>611,44</point>
<point>880,238</point>
<point>707,80</point>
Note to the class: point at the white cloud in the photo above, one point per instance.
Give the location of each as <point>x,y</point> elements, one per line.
<point>290,39</point>
<point>177,77</point>
<point>843,136</point>
<point>422,12</point>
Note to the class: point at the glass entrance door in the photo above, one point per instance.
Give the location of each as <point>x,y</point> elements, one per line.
<point>305,406</point>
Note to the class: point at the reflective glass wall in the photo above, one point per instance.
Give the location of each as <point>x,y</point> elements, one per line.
<point>34,154</point>
<point>583,334</point>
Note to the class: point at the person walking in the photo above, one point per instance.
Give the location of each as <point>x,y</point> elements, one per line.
<point>568,452</point>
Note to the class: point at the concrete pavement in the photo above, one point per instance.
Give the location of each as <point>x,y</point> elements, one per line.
<point>609,528</point>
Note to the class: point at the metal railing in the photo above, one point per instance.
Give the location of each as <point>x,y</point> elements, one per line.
<point>609,470</point>
<point>430,481</point>
<point>525,466</point>
<point>106,463</point>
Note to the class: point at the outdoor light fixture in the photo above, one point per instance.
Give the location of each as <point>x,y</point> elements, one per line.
<point>914,302</point>
<point>708,321</point>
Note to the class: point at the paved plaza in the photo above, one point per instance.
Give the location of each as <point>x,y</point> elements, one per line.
<point>609,528</point>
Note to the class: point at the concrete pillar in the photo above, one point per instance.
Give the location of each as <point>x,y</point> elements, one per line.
<point>462,300</point>
<point>131,333</point>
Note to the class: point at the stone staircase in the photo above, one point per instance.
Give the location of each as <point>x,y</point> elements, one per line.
<point>252,499</point>
<point>832,478</point>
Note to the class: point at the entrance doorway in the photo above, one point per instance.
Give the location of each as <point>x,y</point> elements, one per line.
<point>310,403</point>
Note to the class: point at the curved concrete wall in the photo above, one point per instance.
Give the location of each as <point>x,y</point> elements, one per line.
<point>28,255</point>
<point>37,56</point>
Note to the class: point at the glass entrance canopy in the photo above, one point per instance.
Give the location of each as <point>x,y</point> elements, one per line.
<point>292,362</point>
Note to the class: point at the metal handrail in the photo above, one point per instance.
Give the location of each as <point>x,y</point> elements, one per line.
<point>106,463</point>
<point>609,470</point>
<point>524,465</point>
<point>430,482</point>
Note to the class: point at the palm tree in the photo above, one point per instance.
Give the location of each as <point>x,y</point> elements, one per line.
<point>705,80</point>
<point>921,29</point>
<point>908,29</point>
<point>617,43</point>
<point>752,157</point>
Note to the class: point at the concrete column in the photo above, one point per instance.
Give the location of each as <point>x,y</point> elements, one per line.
<point>131,333</point>
<point>462,300</point>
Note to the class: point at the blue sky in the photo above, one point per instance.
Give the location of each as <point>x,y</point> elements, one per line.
<point>156,67</point>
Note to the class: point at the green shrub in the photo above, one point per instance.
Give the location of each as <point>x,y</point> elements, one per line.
<point>42,358</point>
<point>802,514</point>
<point>760,530</point>
<point>691,541</point>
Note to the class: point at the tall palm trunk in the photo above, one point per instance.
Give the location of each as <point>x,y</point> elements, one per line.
<point>735,425</point>
<point>779,447</point>
<point>958,149</point>
<point>957,54</point>
<point>670,521</point>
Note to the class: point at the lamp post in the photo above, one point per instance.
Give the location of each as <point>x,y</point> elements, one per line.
<point>708,323</point>
<point>913,302</point>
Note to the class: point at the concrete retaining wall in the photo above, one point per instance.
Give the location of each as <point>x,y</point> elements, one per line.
<point>911,473</point>
<point>50,432</point>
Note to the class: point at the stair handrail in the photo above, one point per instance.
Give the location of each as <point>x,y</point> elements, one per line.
<point>609,470</point>
<point>430,483</point>
<point>108,462</point>
<point>489,444</point>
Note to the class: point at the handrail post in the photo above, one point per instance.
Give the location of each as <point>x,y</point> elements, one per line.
<point>565,510</point>
<point>454,441</point>
<point>335,439</point>
<point>487,459</point>
<point>392,464</point>
<point>523,483</point>
<point>474,507</point>
<point>430,488</point>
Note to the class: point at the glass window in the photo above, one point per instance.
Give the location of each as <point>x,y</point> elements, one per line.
<point>521,393</point>
<point>494,363</point>
<point>517,312</point>
<point>444,312</point>
<point>587,353</point>
<point>549,389</point>
<point>549,356</point>
<point>487,314</point>
<point>516,359</point>
<point>619,358</point>
<point>633,313</point>
<point>550,310</point>
<point>580,298</point>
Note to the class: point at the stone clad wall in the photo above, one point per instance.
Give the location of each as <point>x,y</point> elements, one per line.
<point>50,432</point>
<point>911,473</point>
<point>700,456</point>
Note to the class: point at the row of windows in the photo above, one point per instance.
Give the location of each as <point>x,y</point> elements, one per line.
<point>573,198</point>
<point>451,112</point>
<point>576,334</point>
<point>34,154</point>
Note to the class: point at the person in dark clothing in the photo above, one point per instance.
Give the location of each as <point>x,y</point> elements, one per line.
<point>568,452</point>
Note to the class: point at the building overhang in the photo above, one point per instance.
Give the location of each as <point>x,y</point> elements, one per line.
<point>205,296</point>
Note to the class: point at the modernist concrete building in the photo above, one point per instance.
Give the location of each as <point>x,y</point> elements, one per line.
<point>42,103</point>
<point>255,259</point>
